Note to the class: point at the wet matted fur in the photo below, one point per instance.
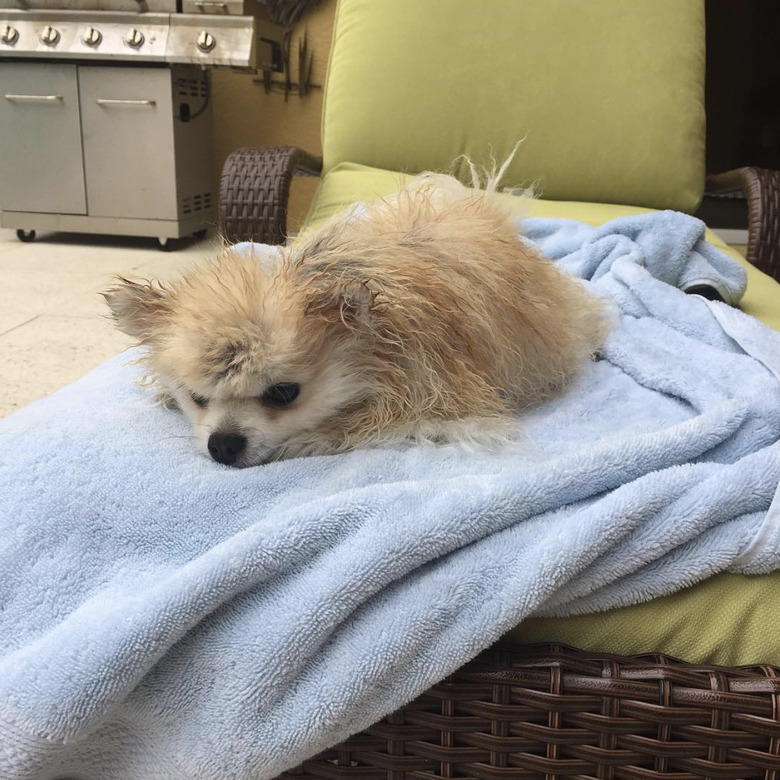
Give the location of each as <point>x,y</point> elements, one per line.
<point>423,316</point>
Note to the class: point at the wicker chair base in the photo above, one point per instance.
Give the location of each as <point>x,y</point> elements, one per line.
<point>554,712</point>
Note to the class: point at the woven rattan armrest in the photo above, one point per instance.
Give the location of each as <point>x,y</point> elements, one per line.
<point>761,187</point>
<point>255,189</point>
<point>548,711</point>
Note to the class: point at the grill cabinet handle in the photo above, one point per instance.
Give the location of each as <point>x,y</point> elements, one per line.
<point>33,98</point>
<point>211,4</point>
<point>110,102</point>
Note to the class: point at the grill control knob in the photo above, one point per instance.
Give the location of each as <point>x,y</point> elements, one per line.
<point>91,37</point>
<point>206,41</point>
<point>9,35</point>
<point>49,36</point>
<point>135,39</point>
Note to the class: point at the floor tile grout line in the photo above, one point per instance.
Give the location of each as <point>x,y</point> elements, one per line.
<point>20,325</point>
<point>96,316</point>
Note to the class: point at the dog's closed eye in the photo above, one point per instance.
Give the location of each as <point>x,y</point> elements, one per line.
<point>199,400</point>
<point>281,394</point>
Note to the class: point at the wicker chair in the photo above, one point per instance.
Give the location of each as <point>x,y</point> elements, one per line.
<point>549,710</point>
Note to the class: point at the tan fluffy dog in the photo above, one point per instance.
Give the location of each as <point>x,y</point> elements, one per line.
<point>421,317</point>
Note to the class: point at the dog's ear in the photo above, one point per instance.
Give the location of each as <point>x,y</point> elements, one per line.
<point>139,309</point>
<point>350,302</point>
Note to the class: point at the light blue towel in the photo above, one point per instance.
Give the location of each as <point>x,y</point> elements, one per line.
<point>162,616</point>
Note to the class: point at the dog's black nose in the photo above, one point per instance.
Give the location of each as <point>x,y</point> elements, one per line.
<point>226,447</point>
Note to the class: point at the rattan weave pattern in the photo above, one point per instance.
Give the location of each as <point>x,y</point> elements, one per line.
<point>255,190</point>
<point>762,189</point>
<point>548,711</point>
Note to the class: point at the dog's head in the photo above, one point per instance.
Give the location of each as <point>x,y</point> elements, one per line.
<point>260,358</point>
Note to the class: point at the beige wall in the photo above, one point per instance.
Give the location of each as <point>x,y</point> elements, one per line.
<point>245,116</point>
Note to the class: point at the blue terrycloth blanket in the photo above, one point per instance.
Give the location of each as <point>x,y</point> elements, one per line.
<point>162,616</point>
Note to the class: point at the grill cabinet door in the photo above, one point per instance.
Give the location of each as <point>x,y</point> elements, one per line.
<point>41,165</point>
<point>127,122</point>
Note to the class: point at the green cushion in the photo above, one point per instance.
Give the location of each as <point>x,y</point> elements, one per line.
<point>729,619</point>
<point>608,94</point>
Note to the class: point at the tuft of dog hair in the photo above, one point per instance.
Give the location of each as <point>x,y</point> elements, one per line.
<point>424,317</point>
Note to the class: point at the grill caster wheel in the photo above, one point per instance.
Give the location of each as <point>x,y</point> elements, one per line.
<point>165,244</point>
<point>25,235</point>
<point>200,234</point>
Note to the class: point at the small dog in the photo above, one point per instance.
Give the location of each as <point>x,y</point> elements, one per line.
<point>423,317</point>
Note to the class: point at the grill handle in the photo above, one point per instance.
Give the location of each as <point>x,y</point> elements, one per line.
<point>111,102</point>
<point>211,4</point>
<point>33,98</point>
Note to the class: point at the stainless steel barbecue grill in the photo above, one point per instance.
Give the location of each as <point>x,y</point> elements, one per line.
<point>105,112</point>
